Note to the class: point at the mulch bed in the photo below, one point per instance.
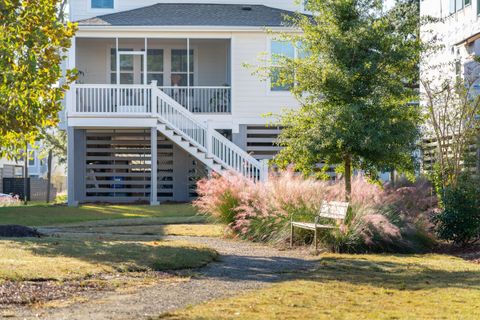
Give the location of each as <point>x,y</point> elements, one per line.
<point>18,293</point>
<point>16,231</point>
<point>30,292</point>
<point>470,253</point>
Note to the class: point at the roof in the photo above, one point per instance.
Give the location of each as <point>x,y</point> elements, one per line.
<point>192,14</point>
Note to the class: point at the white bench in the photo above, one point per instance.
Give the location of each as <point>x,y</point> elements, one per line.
<point>332,210</point>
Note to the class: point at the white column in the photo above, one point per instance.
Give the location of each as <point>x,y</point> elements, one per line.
<point>153,102</point>
<point>71,64</point>
<point>264,170</point>
<point>71,167</point>
<point>209,142</point>
<point>188,75</point>
<point>153,177</point>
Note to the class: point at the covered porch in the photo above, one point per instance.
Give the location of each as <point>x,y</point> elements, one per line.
<point>196,73</point>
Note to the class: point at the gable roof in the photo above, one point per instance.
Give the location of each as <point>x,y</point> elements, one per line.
<point>192,14</point>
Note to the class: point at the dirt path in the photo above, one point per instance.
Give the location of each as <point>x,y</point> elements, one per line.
<point>242,266</point>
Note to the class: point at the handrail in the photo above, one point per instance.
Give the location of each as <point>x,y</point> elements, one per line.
<point>216,145</point>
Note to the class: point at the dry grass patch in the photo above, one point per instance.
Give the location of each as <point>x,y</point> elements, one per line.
<point>61,259</point>
<point>195,230</point>
<point>44,215</point>
<point>361,287</point>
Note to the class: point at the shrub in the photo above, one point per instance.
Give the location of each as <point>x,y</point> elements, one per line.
<point>378,220</point>
<point>459,221</point>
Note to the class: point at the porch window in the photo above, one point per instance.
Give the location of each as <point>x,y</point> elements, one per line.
<point>126,67</point>
<point>180,68</point>
<point>154,66</point>
<point>280,49</point>
<point>102,4</point>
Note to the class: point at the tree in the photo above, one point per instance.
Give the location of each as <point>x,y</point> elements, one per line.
<point>33,43</point>
<point>356,78</point>
<point>54,144</point>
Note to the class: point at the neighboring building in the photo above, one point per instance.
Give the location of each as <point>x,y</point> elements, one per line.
<point>37,167</point>
<point>163,95</point>
<point>458,37</point>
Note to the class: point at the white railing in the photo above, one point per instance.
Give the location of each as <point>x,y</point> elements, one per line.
<point>90,98</point>
<point>205,138</point>
<point>131,99</point>
<point>202,99</point>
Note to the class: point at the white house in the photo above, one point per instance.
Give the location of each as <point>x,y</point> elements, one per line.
<point>163,95</point>
<point>457,37</point>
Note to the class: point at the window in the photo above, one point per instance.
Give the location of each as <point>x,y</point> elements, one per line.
<point>31,158</point>
<point>154,66</point>
<point>102,4</point>
<point>280,49</point>
<point>457,5</point>
<point>126,67</point>
<point>180,68</point>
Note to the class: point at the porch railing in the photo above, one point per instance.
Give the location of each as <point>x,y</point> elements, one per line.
<point>202,99</point>
<point>106,98</point>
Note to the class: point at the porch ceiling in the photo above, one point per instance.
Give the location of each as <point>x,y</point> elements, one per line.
<point>167,14</point>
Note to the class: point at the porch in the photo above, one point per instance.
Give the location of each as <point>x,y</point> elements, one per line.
<point>196,73</point>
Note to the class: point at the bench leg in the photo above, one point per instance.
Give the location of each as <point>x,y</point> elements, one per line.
<point>315,240</point>
<point>291,235</point>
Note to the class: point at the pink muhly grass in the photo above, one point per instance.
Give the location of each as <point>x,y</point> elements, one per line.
<point>10,201</point>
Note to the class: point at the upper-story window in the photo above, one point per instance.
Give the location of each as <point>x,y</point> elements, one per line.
<point>457,5</point>
<point>102,4</point>
<point>278,50</point>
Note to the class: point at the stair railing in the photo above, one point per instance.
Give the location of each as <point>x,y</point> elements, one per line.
<point>204,137</point>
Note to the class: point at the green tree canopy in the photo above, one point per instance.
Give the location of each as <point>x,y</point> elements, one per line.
<point>33,43</point>
<point>356,86</point>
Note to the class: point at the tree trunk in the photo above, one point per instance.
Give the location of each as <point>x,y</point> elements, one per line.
<point>348,178</point>
<point>49,173</point>
<point>392,177</point>
<point>25,175</point>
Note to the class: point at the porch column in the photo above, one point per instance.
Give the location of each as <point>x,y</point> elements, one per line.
<point>153,177</point>
<point>70,65</point>
<point>71,167</point>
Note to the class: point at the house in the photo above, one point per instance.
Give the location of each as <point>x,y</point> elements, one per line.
<point>457,37</point>
<point>164,95</point>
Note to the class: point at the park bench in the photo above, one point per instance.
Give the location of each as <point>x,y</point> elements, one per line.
<point>331,210</point>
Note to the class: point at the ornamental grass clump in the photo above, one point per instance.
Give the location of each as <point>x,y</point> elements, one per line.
<point>10,201</point>
<point>379,219</point>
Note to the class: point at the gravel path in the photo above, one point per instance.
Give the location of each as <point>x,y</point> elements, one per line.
<point>242,266</point>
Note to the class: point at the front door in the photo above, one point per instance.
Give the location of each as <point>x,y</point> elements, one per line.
<point>132,95</point>
<point>129,63</point>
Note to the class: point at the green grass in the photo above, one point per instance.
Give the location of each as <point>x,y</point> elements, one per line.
<point>194,230</point>
<point>61,259</point>
<point>43,215</point>
<point>360,287</point>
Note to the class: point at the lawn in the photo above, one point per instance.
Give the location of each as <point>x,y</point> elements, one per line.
<point>64,259</point>
<point>360,287</point>
<point>43,215</point>
<point>153,229</point>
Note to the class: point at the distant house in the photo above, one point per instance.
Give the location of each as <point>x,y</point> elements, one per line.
<point>163,96</point>
<point>458,34</point>
<point>37,167</point>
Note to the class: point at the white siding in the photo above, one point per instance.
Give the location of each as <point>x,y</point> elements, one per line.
<point>252,97</point>
<point>81,9</point>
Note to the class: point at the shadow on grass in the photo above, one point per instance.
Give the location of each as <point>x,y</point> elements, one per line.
<point>412,274</point>
<point>124,256</point>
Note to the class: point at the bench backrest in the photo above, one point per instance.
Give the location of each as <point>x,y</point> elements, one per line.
<point>334,210</point>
